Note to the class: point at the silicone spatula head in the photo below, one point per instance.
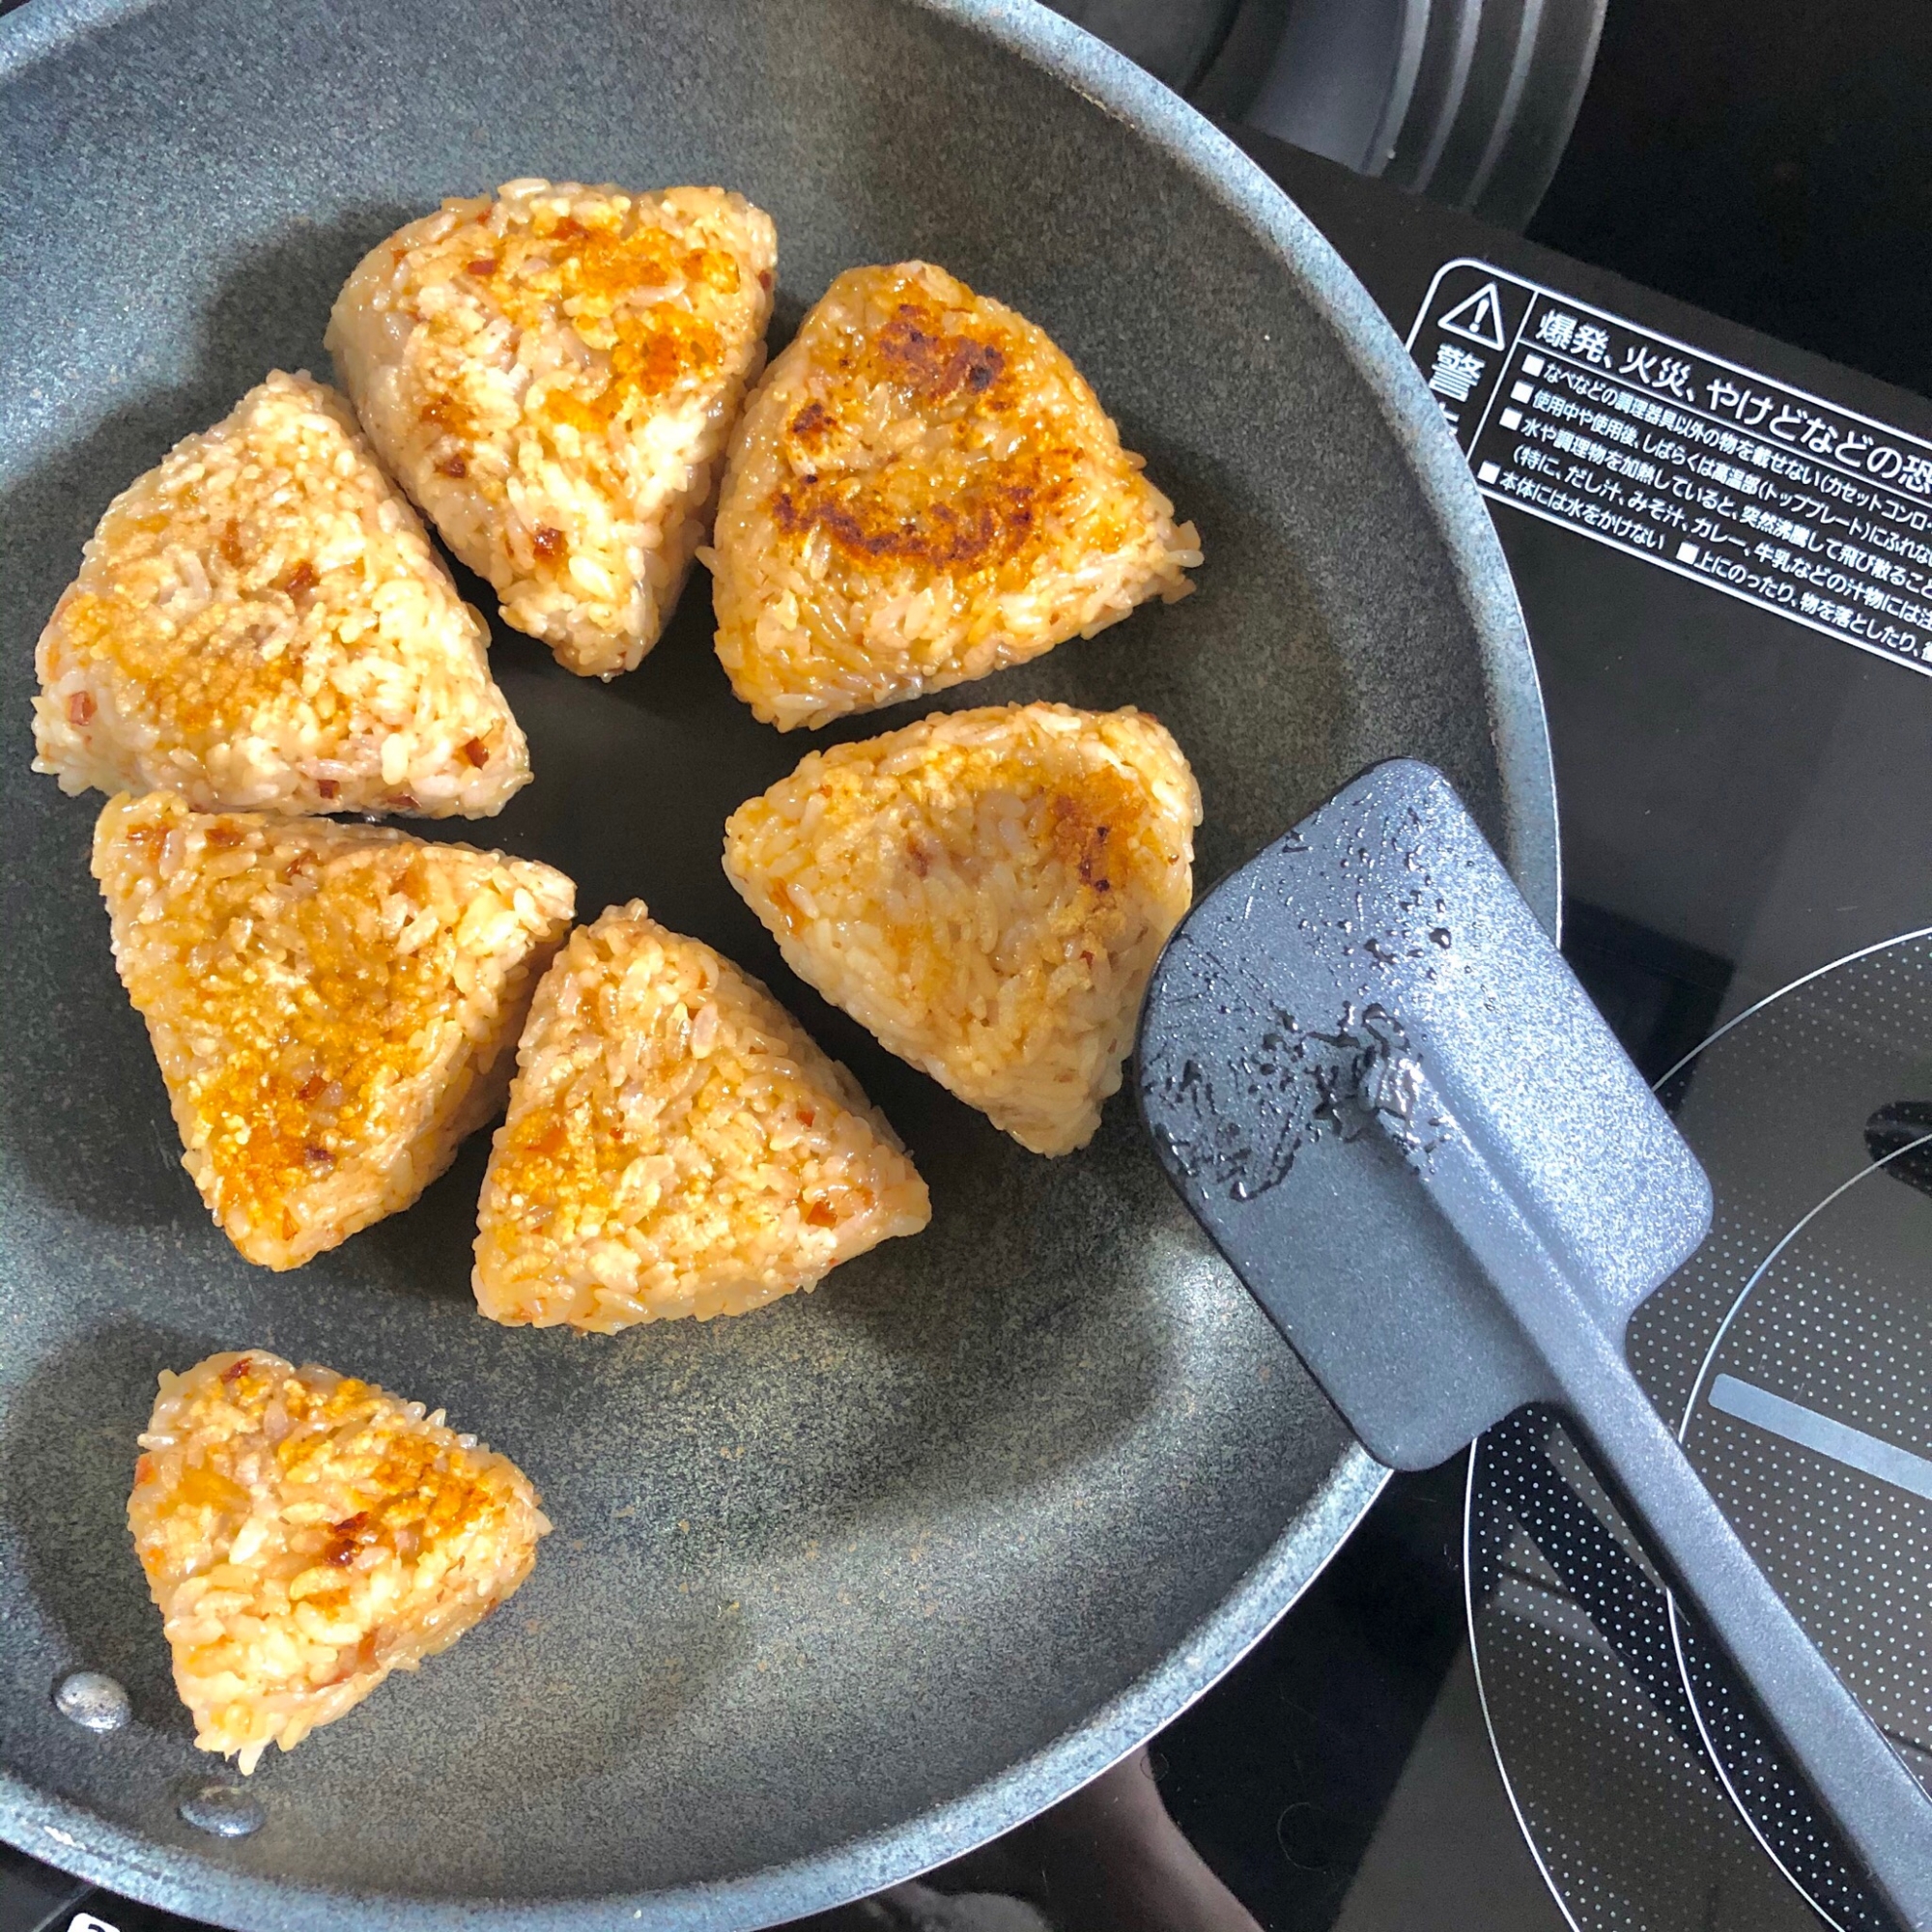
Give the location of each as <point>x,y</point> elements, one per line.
<point>1366,996</point>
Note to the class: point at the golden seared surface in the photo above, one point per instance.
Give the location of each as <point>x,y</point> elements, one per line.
<point>553,372</point>
<point>260,624</point>
<point>333,1006</point>
<point>675,1145</point>
<point>304,1534</point>
<point>986,892</point>
<point>922,490</point>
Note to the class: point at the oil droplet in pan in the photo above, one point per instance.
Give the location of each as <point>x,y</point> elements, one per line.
<point>93,1700</point>
<point>224,1809</point>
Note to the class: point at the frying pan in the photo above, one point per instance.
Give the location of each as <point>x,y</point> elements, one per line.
<point>847,1586</point>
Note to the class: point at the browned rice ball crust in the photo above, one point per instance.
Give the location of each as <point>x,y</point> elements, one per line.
<point>304,1534</point>
<point>333,1006</point>
<point>922,490</point>
<point>552,373</point>
<point>260,624</point>
<point>675,1145</point>
<point>986,892</point>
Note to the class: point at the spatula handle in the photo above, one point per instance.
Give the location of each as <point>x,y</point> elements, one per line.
<point>1883,1815</point>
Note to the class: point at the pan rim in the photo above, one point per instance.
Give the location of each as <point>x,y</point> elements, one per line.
<point>175,1878</point>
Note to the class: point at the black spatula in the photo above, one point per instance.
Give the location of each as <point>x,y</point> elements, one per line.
<point>1374,1082</point>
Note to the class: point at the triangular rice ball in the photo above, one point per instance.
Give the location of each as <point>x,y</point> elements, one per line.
<point>675,1145</point>
<point>923,489</point>
<point>552,373</point>
<point>333,1006</point>
<point>304,1534</point>
<point>260,624</point>
<point>986,892</point>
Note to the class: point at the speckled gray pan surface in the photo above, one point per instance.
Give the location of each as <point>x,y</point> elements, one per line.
<point>845,1586</point>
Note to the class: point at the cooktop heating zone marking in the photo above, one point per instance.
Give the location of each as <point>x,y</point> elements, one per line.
<point>1777,1415</point>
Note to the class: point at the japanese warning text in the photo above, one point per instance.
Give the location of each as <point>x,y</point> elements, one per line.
<point>1587,420</point>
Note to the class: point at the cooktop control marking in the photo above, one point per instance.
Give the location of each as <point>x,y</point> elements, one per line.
<point>1777,1415</point>
<point>1704,467</point>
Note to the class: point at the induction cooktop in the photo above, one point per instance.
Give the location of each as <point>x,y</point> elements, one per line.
<point>1723,548</point>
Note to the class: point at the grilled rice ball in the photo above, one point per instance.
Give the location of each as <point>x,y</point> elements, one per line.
<point>675,1145</point>
<point>552,373</point>
<point>986,892</point>
<point>261,624</point>
<point>922,490</point>
<point>333,1006</point>
<point>304,1534</point>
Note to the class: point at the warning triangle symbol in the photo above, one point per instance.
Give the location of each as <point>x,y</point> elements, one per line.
<point>1479,316</point>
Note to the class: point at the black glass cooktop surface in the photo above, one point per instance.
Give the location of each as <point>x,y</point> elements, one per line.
<point>1721,584</point>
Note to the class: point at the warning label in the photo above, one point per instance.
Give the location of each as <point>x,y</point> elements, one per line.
<point>1712,470</point>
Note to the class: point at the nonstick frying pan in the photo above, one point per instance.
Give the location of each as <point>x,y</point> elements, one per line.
<point>844,1588</point>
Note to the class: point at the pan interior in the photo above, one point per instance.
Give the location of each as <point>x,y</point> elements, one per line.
<point>820,1569</point>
